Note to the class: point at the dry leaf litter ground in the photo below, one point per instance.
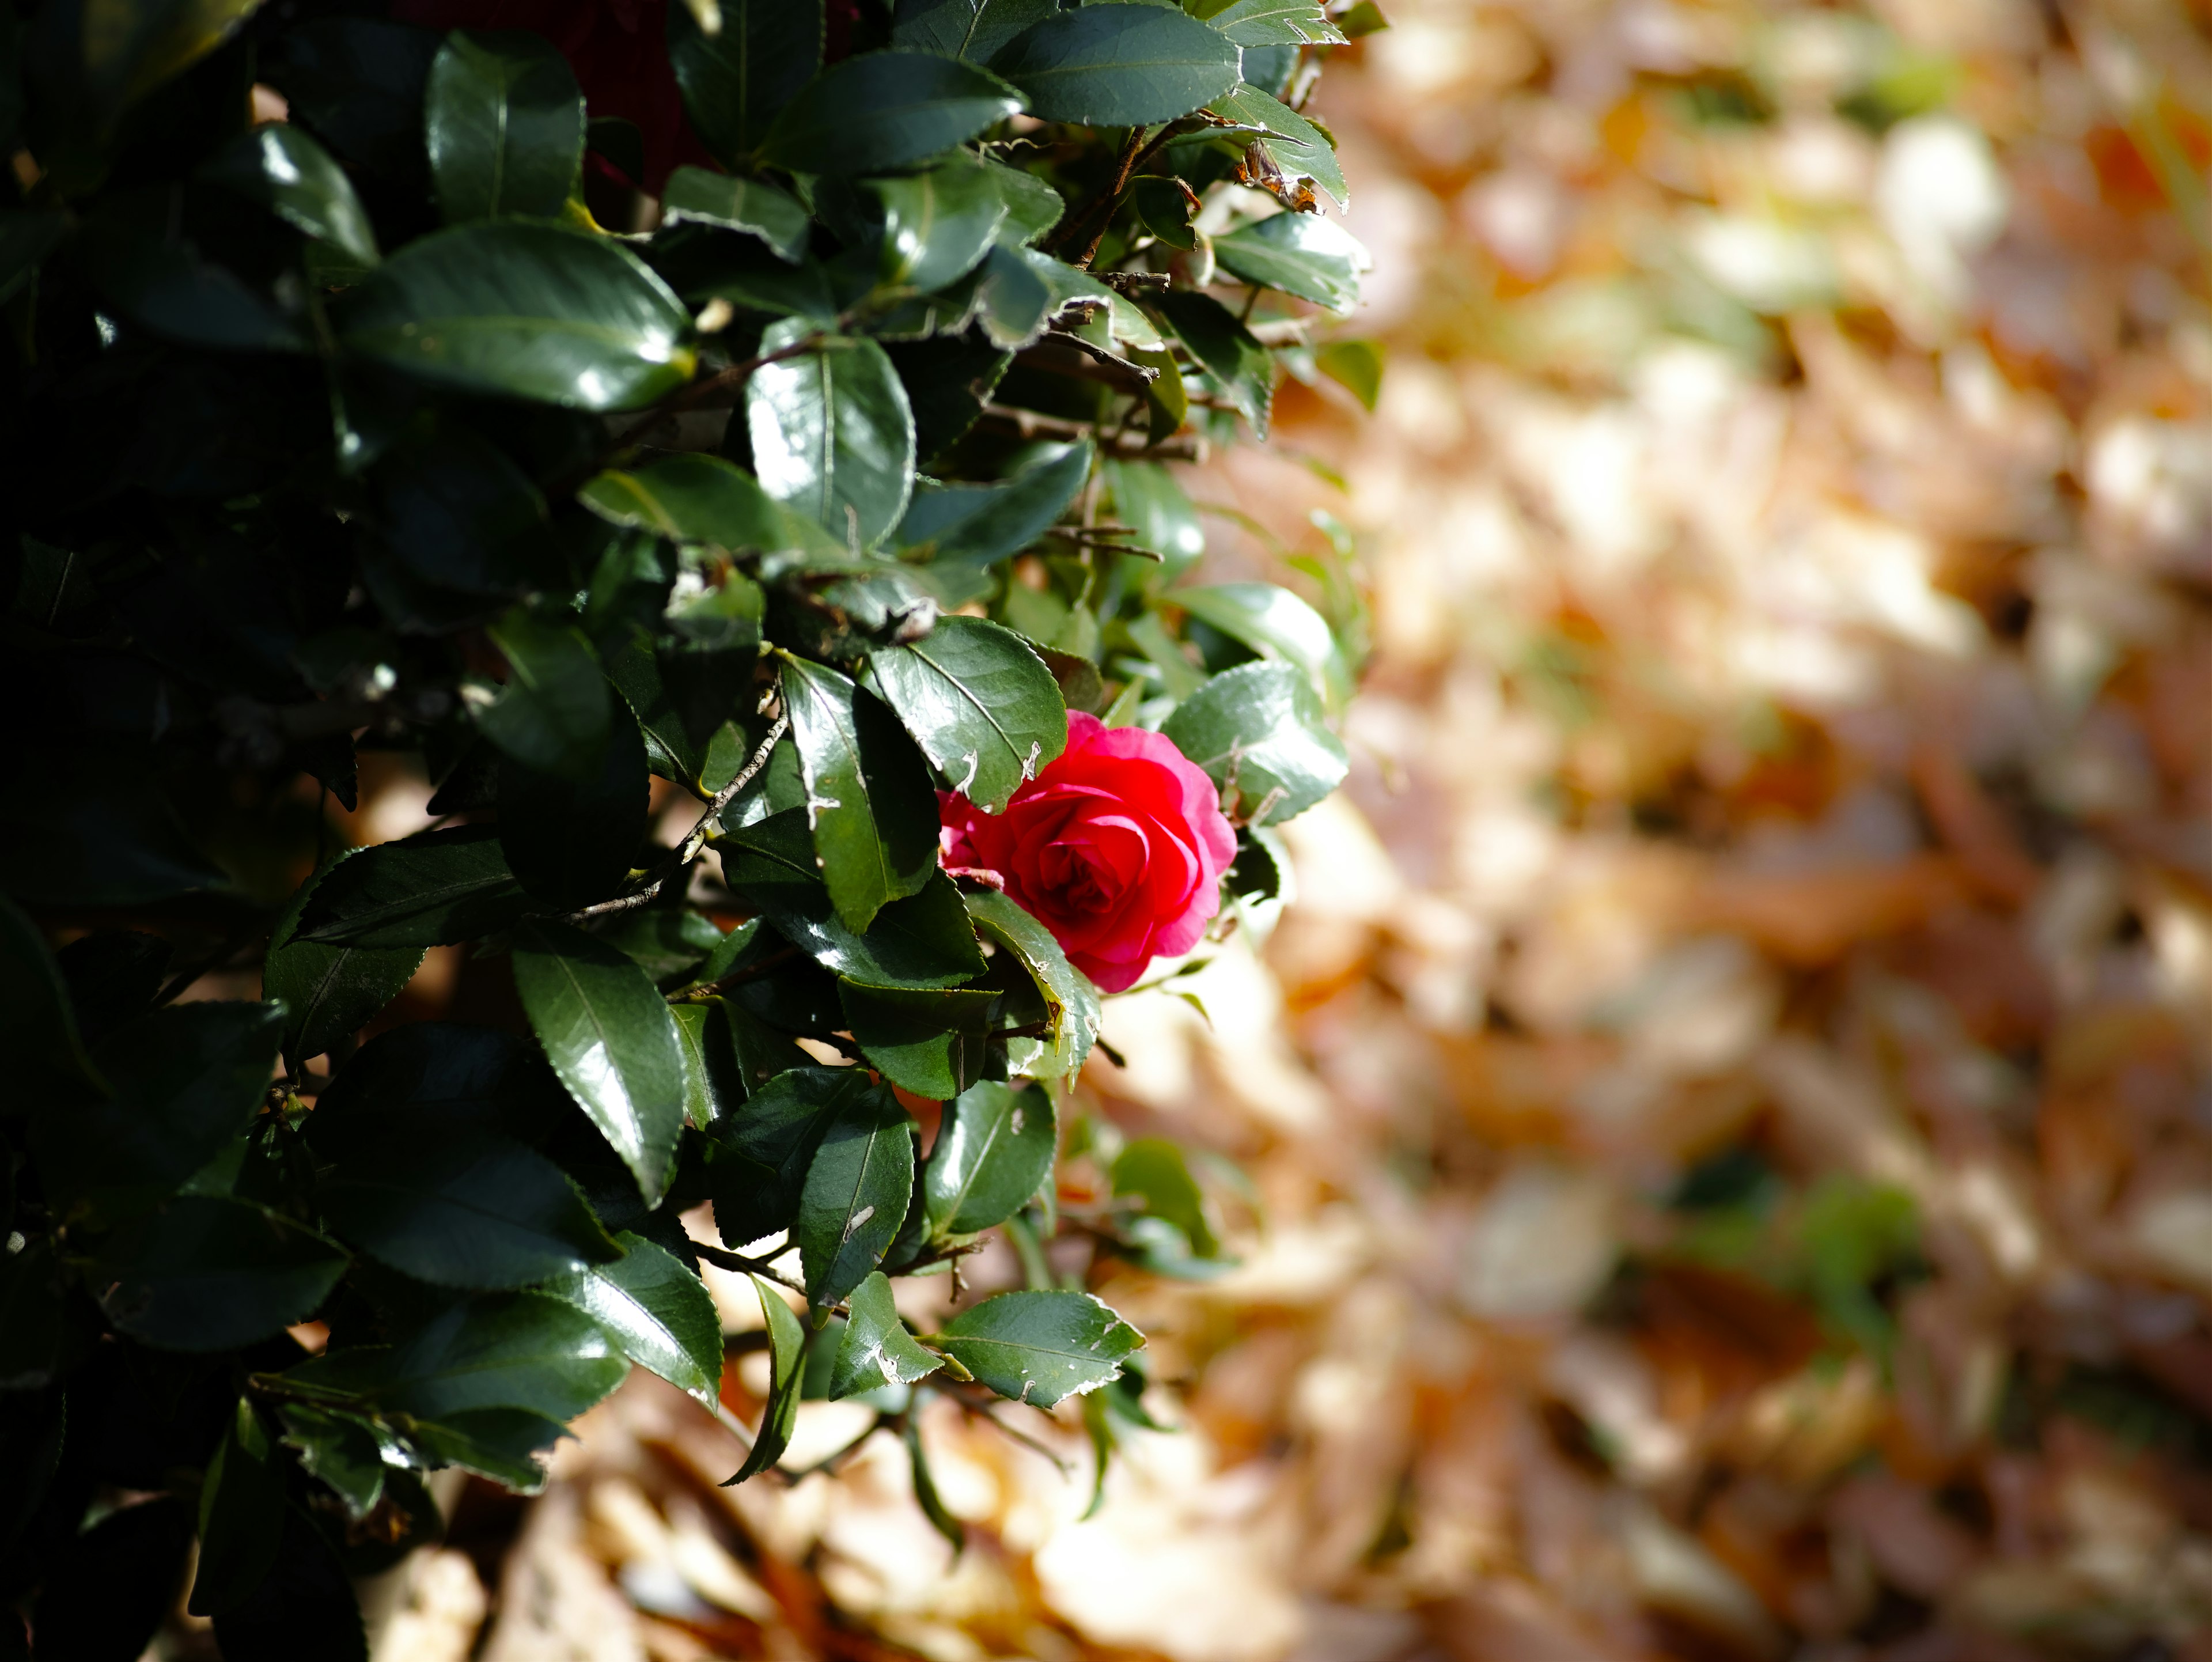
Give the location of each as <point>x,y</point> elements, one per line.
<point>1726,1116</point>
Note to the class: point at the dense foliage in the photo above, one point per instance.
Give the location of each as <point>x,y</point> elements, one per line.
<point>369,387</point>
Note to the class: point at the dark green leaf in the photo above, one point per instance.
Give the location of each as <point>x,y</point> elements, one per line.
<point>657,1312</point>
<point>530,311</point>
<point>983,523</point>
<point>305,1611</point>
<point>503,1443</point>
<point>1226,348</point>
<point>108,1589</point>
<point>429,890</point>
<point>972,29</point>
<point>982,706</point>
<point>926,1041</point>
<point>132,47</point>
<point>1039,1347</point>
<point>936,225</point>
<point>357,83</point>
<point>339,1449</point>
<point>241,1515</point>
<point>328,992</point>
<point>1118,65</point>
<point>1261,733</point>
<point>735,82</point>
<point>993,1148</point>
<point>1166,207</point>
<point>555,713</point>
<point>438,1079</point>
<point>1154,1170</point>
<point>1276,624</point>
<point>870,803</point>
<point>571,842</point>
<point>610,1039</point>
<point>876,1349</point>
<point>284,170</point>
<point>170,286</point>
<point>787,1375</point>
<point>884,110</point>
<point>925,1495</point>
<point>456,512</point>
<point>25,238</point>
<point>1022,290</point>
<point>34,1318</point>
<point>697,498</point>
<point>505,124</point>
<point>1070,999</point>
<point>948,380</point>
<point>751,205</point>
<point>712,1087</point>
<point>38,1027</point>
<point>769,1143</point>
<point>1299,149</point>
<point>488,1213</point>
<point>206,1274</point>
<point>832,435</point>
<point>1302,254</point>
<point>503,1350</point>
<point>1273,22</point>
<point>858,1183</point>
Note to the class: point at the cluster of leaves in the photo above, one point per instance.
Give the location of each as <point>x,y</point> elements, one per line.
<point>843,483</point>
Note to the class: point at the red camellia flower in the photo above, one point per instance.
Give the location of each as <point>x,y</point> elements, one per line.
<point>1117,847</point>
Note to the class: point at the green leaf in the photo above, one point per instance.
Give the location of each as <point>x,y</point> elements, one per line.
<point>832,433</point>
<point>570,843</point>
<point>923,1040</point>
<point>698,498</point>
<point>1118,65</point>
<point>1154,1169</point>
<point>505,126</point>
<point>1302,254</point>
<point>869,802</point>
<point>751,205</point>
<point>713,1087</point>
<point>288,172</point>
<point>1166,207</point>
<point>108,1589</point>
<point>241,1515</point>
<point>883,110</point>
<point>456,512</point>
<point>994,1147</point>
<point>147,270</point>
<point>858,1184</point>
<point>972,29</point>
<point>1276,624</point>
<point>1226,348</point>
<point>555,713</point>
<point>501,1444</point>
<point>1355,365</point>
<point>206,1274</point>
<point>328,992</point>
<point>487,1215</point>
<point>429,890</point>
<point>356,82</point>
<point>38,1027</point>
<point>658,1312</point>
<point>1260,732</point>
<point>34,1319</point>
<point>925,1495</point>
<point>339,1449</point>
<point>1071,1001</point>
<point>983,523</point>
<point>1299,149</point>
<point>439,1081</point>
<point>787,1352</point>
<point>1273,22</point>
<point>876,1349</point>
<point>736,81</point>
<point>1022,290</point>
<point>503,1350</point>
<point>937,225</point>
<point>769,1143</point>
<point>132,47</point>
<point>921,942</point>
<point>1039,1347</point>
<point>526,311</point>
<point>25,239</point>
<point>983,707</point>
<point>611,1040</point>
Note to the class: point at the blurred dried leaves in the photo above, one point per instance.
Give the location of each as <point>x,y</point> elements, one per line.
<point>1729,1119</point>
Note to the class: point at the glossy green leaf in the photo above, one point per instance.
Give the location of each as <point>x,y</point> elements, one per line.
<point>712,1087</point>
<point>1226,348</point>
<point>1070,999</point>
<point>980,524</point>
<point>503,1443</point>
<point>1299,149</point>
<point>982,706</point>
<point>1355,365</point>
<point>698,498</point>
<point>1119,65</point>
<point>972,29</point>
<point>787,1375</point>
<point>25,239</point>
<point>858,1181</point>
<point>132,47</point>
<point>994,1147</point>
<point>936,225</point>
<point>927,1041</point>
<point>751,205</point>
<point>1261,733</point>
<point>286,172</point>
<point>925,1495</point>
<point>870,804</point>
<point>1276,624</point>
<point>1273,22</point>
<point>1033,204</point>
<point>505,126</point>
<point>771,1142</point>
<point>611,1040</point>
<point>526,311</point>
<point>148,273</point>
<point>554,712</point>
<point>883,110</point>
<point>1022,290</point>
<point>736,81</point>
<point>340,1450</point>
<point>241,1515</point>
<point>1153,1170</point>
<point>525,1350</point>
<point>1302,254</point>
<point>658,1312</point>
<point>571,842</point>
<point>832,433</point>
<point>481,1213</point>
<point>876,1350</point>
<point>1166,208</point>
<point>328,991</point>
<point>206,1274</point>
<point>1039,1347</point>
<point>432,889</point>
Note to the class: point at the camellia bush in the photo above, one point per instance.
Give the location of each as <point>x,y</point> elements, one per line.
<point>727,447</point>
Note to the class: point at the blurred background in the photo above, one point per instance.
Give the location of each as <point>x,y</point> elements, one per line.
<point>1719,1148</point>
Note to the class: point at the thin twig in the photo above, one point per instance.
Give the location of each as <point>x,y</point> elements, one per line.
<point>1030,424</point>
<point>1102,205</point>
<point>827,1466</point>
<point>728,1421</point>
<point>700,994</point>
<point>700,392</point>
<point>722,1258</point>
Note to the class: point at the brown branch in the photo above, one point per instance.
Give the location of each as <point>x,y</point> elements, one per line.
<point>1029,425</point>
<point>1102,206</point>
<point>702,392</point>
